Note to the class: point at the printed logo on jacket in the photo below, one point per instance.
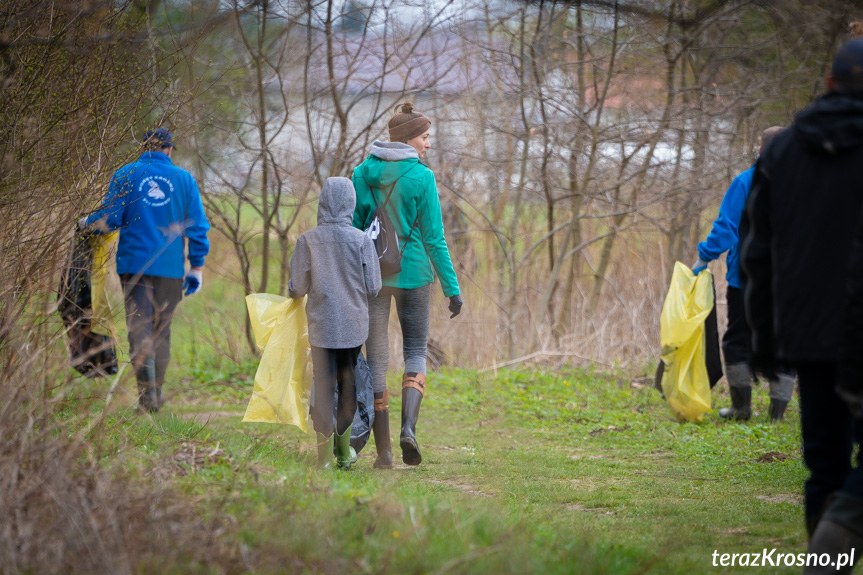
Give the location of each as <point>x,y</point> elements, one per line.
<point>153,190</point>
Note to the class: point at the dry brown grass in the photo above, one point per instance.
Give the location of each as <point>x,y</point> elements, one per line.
<point>66,505</point>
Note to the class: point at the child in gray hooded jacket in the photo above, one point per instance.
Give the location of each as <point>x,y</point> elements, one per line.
<point>337,266</point>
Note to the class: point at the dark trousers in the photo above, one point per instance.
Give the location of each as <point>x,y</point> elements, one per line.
<point>829,435</point>
<point>737,339</point>
<point>334,369</point>
<point>150,304</point>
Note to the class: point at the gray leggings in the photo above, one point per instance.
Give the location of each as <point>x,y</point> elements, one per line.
<point>412,307</point>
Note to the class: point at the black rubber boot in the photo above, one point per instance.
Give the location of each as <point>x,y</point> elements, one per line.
<point>739,378</point>
<point>777,410</point>
<point>148,393</point>
<point>741,404</point>
<point>837,541</point>
<point>160,397</point>
<point>781,391</point>
<point>148,399</point>
<point>413,390</point>
<point>381,430</point>
<point>839,534</point>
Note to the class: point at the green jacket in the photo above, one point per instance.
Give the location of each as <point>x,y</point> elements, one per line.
<point>414,194</point>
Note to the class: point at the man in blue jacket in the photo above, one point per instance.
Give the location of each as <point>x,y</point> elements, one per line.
<point>157,208</point>
<point>737,340</point>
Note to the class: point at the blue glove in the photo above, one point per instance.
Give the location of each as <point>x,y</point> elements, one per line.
<point>699,266</point>
<point>194,280</point>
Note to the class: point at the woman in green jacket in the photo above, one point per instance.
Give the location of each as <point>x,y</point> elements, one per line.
<point>414,209</point>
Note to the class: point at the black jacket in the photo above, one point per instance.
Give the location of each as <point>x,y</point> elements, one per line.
<point>802,213</point>
<point>850,373</point>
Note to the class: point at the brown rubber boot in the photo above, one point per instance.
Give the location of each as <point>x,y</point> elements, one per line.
<point>381,429</point>
<point>413,391</point>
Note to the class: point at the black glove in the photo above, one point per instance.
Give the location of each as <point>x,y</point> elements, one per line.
<point>455,304</point>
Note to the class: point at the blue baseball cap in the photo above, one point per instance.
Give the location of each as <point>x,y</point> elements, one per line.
<point>158,138</point>
<point>848,62</point>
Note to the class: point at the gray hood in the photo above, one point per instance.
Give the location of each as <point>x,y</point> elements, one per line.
<point>393,151</point>
<point>337,202</point>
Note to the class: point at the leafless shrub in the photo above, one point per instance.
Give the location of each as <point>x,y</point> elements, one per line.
<point>74,93</point>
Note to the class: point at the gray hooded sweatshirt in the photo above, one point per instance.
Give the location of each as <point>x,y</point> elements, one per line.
<point>394,151</point>
<point>337,266</point>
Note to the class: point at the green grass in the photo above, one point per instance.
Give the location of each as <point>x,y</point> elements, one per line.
<point>523,472</point>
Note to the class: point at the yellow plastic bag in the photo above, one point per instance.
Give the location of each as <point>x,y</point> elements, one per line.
<point>685,382</point>
<point>283,382</point>
<point>105,293</point>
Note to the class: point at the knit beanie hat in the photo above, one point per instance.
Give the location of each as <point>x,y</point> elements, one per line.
<point>406,124</point>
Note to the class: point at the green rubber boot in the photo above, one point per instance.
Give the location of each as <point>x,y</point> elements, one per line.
<point>345,454</point>
<point>325,451</point>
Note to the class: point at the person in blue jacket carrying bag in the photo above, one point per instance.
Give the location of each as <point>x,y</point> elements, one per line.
<point>157,208</point>
<point>737,340</point>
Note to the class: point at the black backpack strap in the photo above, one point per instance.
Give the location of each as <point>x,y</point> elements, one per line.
<point>408,239</point>
<point>393,185</point>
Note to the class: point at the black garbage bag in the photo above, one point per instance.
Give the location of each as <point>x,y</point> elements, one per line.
<point>364,417</point>
<point>89,353</point>
<point>711,345</point>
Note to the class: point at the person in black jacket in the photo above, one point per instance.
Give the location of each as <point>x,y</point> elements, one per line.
<point>804,207</point>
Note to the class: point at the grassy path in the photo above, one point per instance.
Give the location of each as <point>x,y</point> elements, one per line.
<point>523,472</point>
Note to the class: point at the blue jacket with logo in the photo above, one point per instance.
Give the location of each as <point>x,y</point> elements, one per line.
<point>156,206</point>
<point>723,237</point>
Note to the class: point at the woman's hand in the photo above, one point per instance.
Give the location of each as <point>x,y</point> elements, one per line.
<point>455,304</point>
